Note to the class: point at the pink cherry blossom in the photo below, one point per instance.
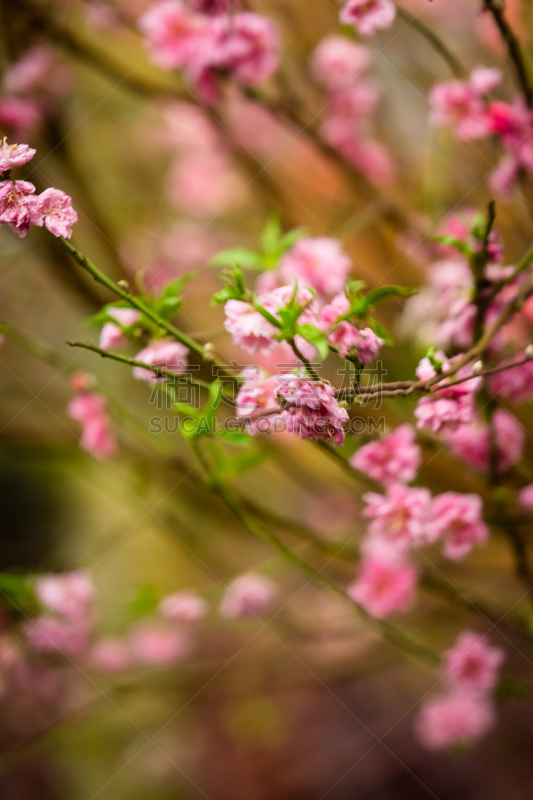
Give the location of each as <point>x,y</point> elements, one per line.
<point>156,646</point>
<point>394,458</point>
<point>111,335</point>
<point>525,498</point>
<point>402,515</point>
<point>318,262</point>
<point>111,656</point>
<point>183,607</point>
<point>54,208</point>
<point>14,155</point>
<point>173,32</point>
<point>256,395</point>
<point>384,587</point>
<point>454,719</point>
<point>250,329</point>
<point>457,520</point>
<point>90,409</point>
<point>462,104</point>
<point>472,665</point>
<point>313,411</point>
<point>248,595</point>
<point>344,336</point>
<point>516,383</point>
<point>72,594</point>
<point>368,16</point>
<point>16,206</point>
<point>171,356</point>
<point>471,443</point>
<point>336,62</point>
<point>248,47</point>
<point>20,116</point>
<point>446,409</point>
<point>52,634</point>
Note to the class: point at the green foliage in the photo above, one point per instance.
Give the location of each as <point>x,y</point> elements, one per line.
<point>17,593</point>
<point>462,247</point>
<point>435,362</point>
<point>316,337</point>
<point>144,602</point>
<point>234,288</point>
<point>273,242</point>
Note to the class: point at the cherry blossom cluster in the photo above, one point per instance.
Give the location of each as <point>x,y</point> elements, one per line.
<point>403,520</point>
<point>351,103</point>
<point>465,712</point>
<point>465,106</point>
<point>68,625</point>
<point>368,16</point>
<point>90,409</point>
<point>207,42</point>
<point>20,207</point>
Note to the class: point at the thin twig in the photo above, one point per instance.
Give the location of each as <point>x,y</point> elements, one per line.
<point>497,8</point>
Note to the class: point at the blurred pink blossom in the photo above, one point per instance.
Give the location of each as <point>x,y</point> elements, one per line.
<point>392,458</point>
<point>171,356</point>
<point>90,409</point>
<point>156,646</point>
<point>472,665</point>
<point>183,607</point>
<point>318,262</point>
<point>368,16</point>
<point>111,335</point>
<point>525,498</point>
<point>248,595</point>
<point>462,104</point>
<point>457,520</point>
<point>454,719</point>
<point>110,655</point>
<point>70,594</point>
<point>337,61</point>
<point>471,443</point>
<point>402,515</point>
<point>384,587</point>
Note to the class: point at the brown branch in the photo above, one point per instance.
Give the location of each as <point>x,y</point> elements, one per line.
<point>496,8</point>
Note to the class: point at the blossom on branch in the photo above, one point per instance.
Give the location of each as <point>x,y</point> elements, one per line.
<point>368,16</point>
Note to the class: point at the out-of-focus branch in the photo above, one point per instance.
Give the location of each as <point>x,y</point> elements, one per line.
<point>435,41</point>
<point>497,9</point>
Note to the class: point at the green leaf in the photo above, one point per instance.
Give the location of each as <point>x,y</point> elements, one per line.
<point>237,255</point>
<point>316,337</point>
<point>234,288</point>
<point>238,438</point>
<point>380,331</point>
<point>271,235</point>
<point>16,593</point>
<point>168,307</point>
<point>145,602</point>
<point>435,362</point>
<point>233,467</point>
<point>362,306</point>
<point>457,244</point>
<point>174,287</point>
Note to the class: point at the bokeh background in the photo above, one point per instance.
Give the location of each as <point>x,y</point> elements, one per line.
<point>307,704</point>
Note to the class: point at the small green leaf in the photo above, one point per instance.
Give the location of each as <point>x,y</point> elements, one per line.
<point>316,337</point>
<point>145,602</point>
<point>457,244</point>
<point>240,255</point>
<point>380,331</point>
<point>271,235</point>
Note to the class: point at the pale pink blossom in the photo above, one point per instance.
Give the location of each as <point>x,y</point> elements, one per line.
<point>248,595</point>
<point>515,383</point>
<point>457,520</point>
<point>318,262</point>
<point>313,411</point>
<point>454,719</point>
<point>20,116</point>
<point>462,104</point>
<point>156,646</point>
<point>368,16</point>
<point>248,47</point>
<point>344,336</point>
<point>472,664</point>
<point>446,409</point>
<point>14,155</point>
<point>249,328</point>
<point>525,498</point>
<point>256,395</point>
<point>173,33</point>
<point>52,634</point>
<point>402,515</point>
<point>471,443</point>
<point>71,594</point>
<point>394,458</point>
<point>385,587</point>
<point>202,182</point>
<point>183,607</point>
<point>337,61</point>
<point>111,656</point>
<point>90,409</point>
<point>16,205</point>
<point>171,356</point>
<point>54,208</point>
<point>38,74</point>
<point>111,335</point>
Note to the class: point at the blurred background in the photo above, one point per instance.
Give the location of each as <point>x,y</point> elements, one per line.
<point>308,703</point>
